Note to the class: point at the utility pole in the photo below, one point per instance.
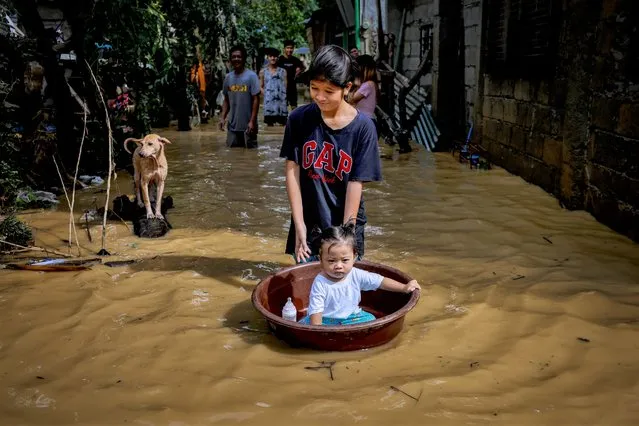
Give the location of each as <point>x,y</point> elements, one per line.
<point>357,29</point>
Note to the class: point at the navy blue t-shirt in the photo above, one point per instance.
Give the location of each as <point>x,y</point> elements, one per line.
<point>328,160</point>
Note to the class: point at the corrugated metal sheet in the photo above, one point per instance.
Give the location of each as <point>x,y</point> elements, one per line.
<point>424,130</point>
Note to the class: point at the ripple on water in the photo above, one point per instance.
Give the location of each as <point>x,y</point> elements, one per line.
<point>235,417</point>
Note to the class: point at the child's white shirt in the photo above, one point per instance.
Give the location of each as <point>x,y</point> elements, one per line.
<point>341,299</point>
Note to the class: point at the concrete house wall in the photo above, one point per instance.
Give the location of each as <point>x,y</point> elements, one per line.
<point>472,11</point>
<point>422,12</point>
<point>574,130</point>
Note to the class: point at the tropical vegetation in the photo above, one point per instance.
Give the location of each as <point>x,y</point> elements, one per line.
<point>127,60</point>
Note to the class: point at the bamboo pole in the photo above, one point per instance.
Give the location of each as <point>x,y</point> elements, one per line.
<point>66,195</point>
<point>34,248</point>
<point>108,123</point>
<point>75,180</point>
<point>357,24</point>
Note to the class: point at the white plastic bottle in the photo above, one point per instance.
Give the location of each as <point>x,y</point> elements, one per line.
<point>289,312</point>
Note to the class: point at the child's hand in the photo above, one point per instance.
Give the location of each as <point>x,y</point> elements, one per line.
<point>392,285</point>
<point>302,252</point>
<point>412,286</point>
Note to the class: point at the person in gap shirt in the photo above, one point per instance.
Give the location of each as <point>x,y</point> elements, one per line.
<point>331,150</point>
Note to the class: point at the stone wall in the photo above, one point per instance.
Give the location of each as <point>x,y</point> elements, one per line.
<point>575,134</point>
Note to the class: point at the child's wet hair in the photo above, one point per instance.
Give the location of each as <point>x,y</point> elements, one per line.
<point>333,64</point>
<point>338,235</point>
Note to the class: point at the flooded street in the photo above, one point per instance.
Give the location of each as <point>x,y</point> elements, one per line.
<point>529,313</point>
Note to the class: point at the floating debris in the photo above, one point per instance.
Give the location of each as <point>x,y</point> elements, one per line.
<point>407,394</point>
<point>199,297</point>
<point>55,265</point>
<point>116,263</point>
<point>323,364</point>
<point>91,180</point>
<point>247,328</point>
<point>247,274</point>
<point>90,216</point>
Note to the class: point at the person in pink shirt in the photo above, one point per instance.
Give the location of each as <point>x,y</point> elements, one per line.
<point>365,98</point>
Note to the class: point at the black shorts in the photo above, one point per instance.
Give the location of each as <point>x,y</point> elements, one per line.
<point>241,140</point>
<point>275,119</point>
<point>291,96</point>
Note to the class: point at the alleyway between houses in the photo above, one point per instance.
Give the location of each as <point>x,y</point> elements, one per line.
<point>528,314</point>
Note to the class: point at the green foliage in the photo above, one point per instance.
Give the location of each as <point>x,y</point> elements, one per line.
<point>10,183</point>
<point>12,166</point>
<point>267,23</point>
<point>154,44</point>
<point>14,231</point>
<point>28,200</point>
<point>138,33</point>
<point>141,50</point>
<point>197,24</point>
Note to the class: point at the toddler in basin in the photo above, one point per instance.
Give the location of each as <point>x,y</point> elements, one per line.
<point>335,293</point>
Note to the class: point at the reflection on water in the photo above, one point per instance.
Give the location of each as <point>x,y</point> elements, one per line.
<point>237,189</point>
<point>529,313</point>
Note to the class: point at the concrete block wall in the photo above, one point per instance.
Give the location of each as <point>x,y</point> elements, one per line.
<point>576,134</point>
<point>522,128</point>
<point>422,12</point>
<point>472,10</point>
<point>611,187</point>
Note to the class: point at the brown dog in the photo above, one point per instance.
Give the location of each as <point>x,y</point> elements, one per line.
<point>149,166</point>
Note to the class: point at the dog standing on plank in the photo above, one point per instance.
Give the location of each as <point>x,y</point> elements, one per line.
<point>149,166</point>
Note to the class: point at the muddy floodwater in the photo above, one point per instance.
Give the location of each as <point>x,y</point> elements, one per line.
<point>529,313</point>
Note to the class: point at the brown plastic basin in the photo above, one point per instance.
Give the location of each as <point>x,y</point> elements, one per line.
<point>295,282</point>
